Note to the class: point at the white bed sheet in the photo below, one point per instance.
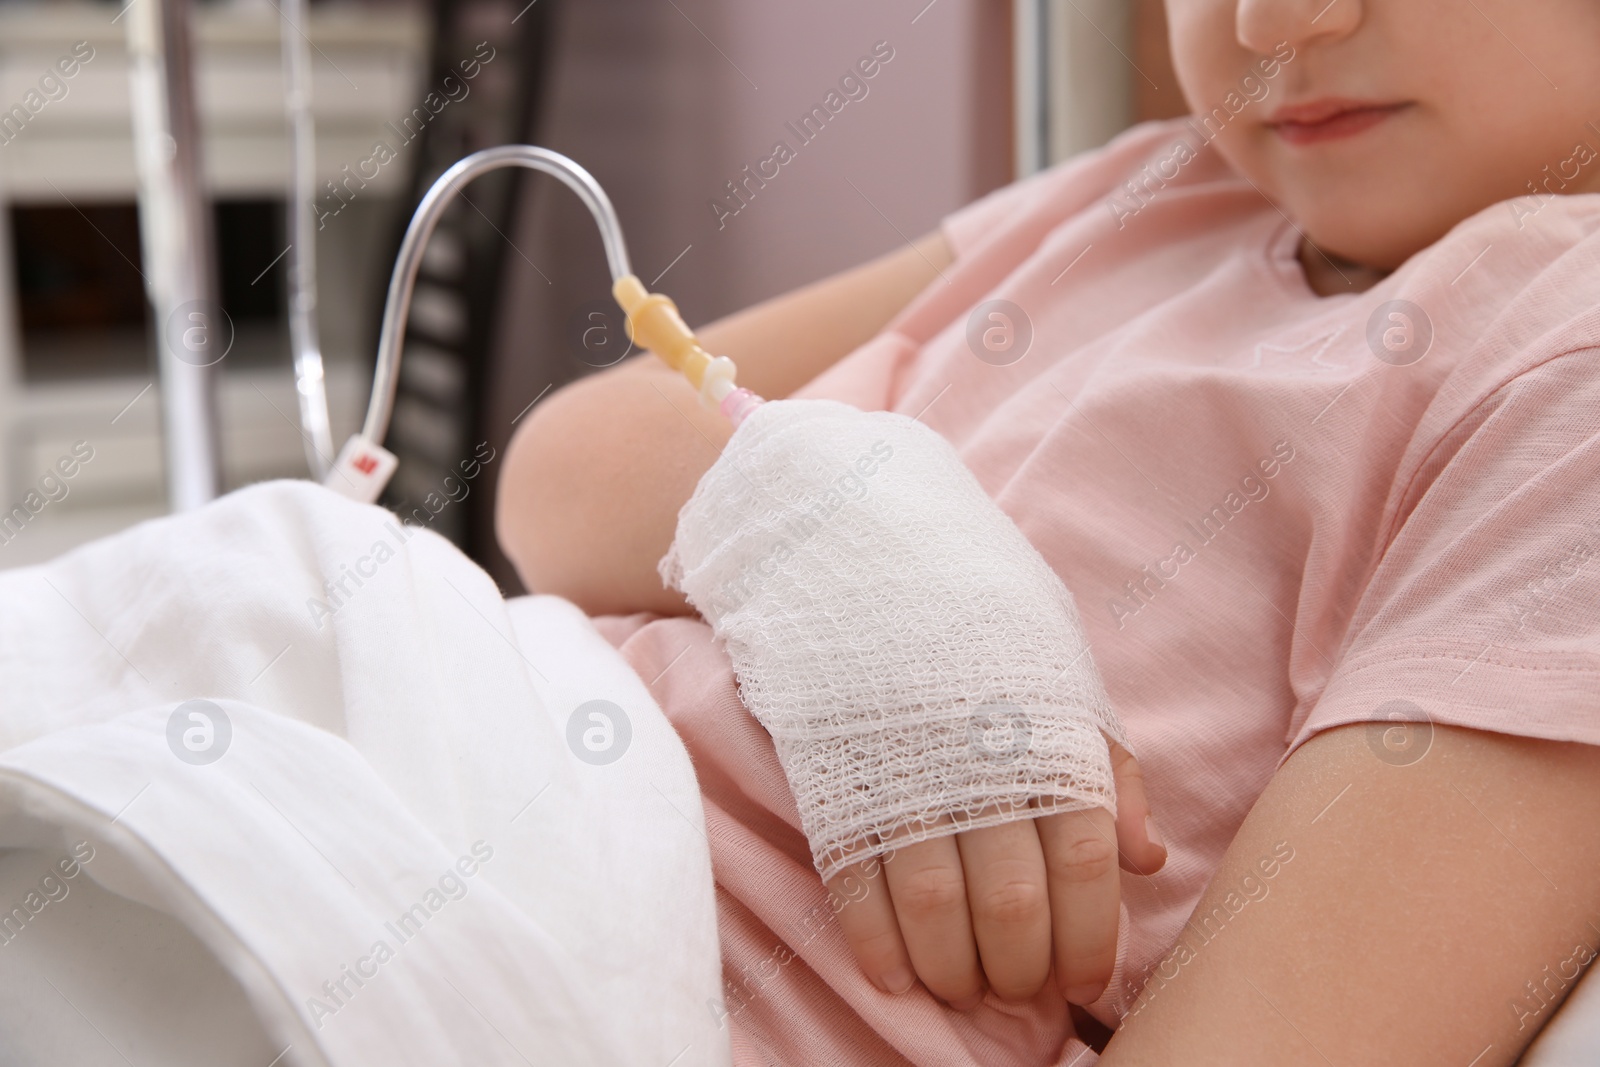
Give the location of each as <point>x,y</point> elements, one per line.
<point>414,719</point>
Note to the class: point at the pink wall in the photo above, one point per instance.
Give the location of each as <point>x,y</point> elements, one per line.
<point>908,147</point>
<point>667,100</point>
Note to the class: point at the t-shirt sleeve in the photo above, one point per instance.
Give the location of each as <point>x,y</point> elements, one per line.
<point>966,226</point>
<point>1484,608</point>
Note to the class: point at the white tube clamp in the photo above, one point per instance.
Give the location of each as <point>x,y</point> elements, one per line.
<point>362,470</point>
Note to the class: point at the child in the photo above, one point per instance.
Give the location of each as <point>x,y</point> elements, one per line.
<point>1301,398</point>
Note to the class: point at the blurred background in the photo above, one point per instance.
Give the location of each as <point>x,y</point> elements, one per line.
<point>666,102</point>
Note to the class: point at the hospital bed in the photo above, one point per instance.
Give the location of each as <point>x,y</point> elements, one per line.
<point>365,879</point>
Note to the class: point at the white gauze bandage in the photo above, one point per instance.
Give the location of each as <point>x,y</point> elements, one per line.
<point>921,669</point>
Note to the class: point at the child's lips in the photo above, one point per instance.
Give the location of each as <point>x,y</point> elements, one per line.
<point>1328,120</point>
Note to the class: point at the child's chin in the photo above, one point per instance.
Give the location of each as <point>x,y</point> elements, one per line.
<point>1375,233</point>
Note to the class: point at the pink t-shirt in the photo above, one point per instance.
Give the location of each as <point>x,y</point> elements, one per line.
<point>1278,512</point>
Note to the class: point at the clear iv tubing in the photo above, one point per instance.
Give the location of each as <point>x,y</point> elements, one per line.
<point>653,321</point>
<point>404,279</point>
<point>310,382</point>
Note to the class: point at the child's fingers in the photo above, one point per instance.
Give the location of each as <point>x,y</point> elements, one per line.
<point>1080,856</point>
<point>930,901</point>
<point>1009,901</point>
<point>866,916</point>
<point>954,910</point>
<point>1139,844</point>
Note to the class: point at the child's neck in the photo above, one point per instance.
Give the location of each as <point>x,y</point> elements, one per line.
<point>1330,275</point>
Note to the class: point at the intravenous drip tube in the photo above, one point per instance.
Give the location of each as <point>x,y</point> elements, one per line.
<point>310,382</point>
<point>653,320</point>
<point>881,633</point>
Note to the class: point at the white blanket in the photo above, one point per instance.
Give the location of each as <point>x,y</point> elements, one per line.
<point>413,847</point>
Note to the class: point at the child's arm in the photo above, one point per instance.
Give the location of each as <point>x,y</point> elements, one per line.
<point>1432,913</point>
<point>596,474</point>
<point>589,500</point>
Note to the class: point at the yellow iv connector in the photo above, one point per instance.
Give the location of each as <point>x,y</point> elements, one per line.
<point>654,323</point>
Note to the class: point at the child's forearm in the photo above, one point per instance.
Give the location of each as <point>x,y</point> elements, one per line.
<point>596,474</point>
<point>1415,905</point>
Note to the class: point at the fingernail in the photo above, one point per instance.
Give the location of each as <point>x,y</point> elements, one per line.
<point>898,981</point>
<point>1153,832</point>
<point>968,1003</point>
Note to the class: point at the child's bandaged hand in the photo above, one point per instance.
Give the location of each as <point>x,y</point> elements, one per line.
<point>929,690</point>
<point>1002,908</point>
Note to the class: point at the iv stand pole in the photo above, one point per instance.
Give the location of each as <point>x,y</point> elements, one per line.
<point>192,331</point>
